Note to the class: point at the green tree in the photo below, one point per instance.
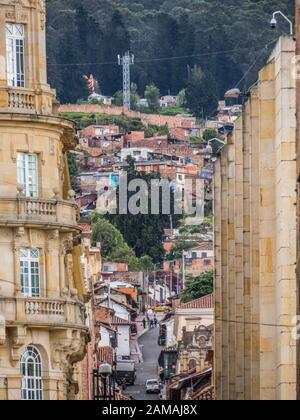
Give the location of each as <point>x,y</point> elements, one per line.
<point>118,98</point>
<point>73,165</point>
<point>146,263</point>
<point>210,133</point>
<point>198,287</point>
<point>167,37</point>
<point>181,98</point>
<point>152,94</point>
<point>177,250</point>
<point>144,232</point>
<point>113,246</point>
<point>116,41</point>
<point>134,96</point>
<point>200,93</point>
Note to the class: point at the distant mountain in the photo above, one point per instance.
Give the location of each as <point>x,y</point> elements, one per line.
<point>226,38</point>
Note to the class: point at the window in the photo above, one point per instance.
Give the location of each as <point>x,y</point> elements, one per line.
<point>31,371</point>
<point>27,173</point>
<point>192,364</point>
<point>30,272</point>
<point>207,262</point>
<point>15,39</point>
<point>204,255</point>
<point>194,255</point>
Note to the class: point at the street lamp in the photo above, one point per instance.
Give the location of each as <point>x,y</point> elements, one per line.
<point>235,93</point>
<point>273,22</point>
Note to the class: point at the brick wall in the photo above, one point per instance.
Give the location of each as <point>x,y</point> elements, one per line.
<point>147,119</point>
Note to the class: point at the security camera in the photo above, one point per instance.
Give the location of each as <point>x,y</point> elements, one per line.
<point>273,23</point>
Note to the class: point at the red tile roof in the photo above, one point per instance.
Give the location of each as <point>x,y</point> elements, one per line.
<point>102,315</point>
<point>205,302</point>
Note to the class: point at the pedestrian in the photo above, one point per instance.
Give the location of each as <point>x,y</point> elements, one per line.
<point>144,323</point>
<point>151,323</point>
<point>155,322</point>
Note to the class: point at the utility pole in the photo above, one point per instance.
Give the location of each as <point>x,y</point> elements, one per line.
<point>154,285</point>
<point>183,269</point>
<point>171,224</point>
<point>126,61</point>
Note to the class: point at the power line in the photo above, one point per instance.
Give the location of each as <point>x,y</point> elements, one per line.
<point>255,61</point>
<point>251,66</point>
<point>207,54</point>
<point>260,324</point>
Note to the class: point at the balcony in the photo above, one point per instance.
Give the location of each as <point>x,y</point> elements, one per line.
<point>43,311</point>
<point>31,211</point>
<point>21,100</point>
<point>27,101</point>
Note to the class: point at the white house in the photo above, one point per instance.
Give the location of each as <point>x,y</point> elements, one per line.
<point>193,314</point>
<point>202,251</point>
<point>123,335</point>
<point>137,153</point>
<point>170,338</point>
<point>121,310</point>
<point>162,293</point>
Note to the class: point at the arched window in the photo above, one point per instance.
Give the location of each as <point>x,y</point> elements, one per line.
<point>31,371</point>
<point>192,364</point>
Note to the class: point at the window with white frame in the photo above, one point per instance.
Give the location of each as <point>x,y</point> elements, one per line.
<point>30,272</point>
<point>31,372</point>
<point>28,173</point>
<point>15,42</point>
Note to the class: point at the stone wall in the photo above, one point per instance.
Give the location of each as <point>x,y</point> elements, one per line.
<point>255,242</point>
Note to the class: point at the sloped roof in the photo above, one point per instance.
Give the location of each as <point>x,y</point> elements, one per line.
<point>205,302</point>
<point>205,246</point>
<point>102,315</point>
<point>128,307</point>
<point>115,320</point>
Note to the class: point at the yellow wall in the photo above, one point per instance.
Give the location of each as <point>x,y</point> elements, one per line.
<point>255,242</point>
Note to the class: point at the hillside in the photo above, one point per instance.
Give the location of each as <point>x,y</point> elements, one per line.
<point>226,38</point>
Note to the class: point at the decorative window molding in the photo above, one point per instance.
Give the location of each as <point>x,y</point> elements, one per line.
<point>31,371</point>
<point>30,278</point>
<point>27,167</point>
<point>15,54</point>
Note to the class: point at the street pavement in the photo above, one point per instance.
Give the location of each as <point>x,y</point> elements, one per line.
<point>148,369</point>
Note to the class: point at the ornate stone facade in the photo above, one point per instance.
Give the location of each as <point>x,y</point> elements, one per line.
<point>42,296</point>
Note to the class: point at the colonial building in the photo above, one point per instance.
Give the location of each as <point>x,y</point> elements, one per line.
<point>255,241</point>
<point>43,331</point>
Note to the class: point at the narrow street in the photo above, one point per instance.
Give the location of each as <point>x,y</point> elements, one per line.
<point>148,369</point>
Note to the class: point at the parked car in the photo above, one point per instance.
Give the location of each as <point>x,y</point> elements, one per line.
<point>152,386</point>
